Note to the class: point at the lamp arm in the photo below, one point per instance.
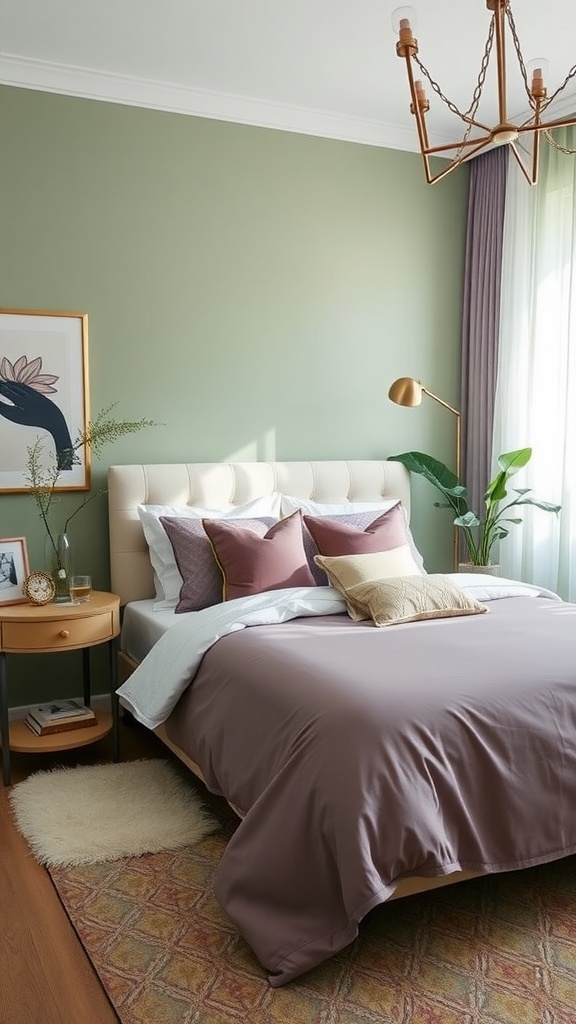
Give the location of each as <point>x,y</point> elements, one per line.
<point>440,401</point>
<point>458,425</point>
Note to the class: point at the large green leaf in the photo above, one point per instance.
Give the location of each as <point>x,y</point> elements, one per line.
<point>469,519</point>
<point>509,463</point>
<point>433,470</point>
<point>546,506</point>
<point>496,490</point>
<point>438,475</point>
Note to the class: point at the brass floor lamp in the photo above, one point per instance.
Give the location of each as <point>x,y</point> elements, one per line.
<point>408,391</point>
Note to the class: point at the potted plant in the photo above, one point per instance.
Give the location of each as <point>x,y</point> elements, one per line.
<point>480,532</point>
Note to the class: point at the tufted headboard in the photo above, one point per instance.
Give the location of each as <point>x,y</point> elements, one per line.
<point>221,484</point>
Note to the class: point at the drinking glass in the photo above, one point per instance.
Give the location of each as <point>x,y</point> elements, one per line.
<point>80,589</point>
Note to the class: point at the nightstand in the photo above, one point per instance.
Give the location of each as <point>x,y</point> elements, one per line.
<point>45,629</point>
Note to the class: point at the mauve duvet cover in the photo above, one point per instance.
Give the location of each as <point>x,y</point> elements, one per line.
<point>364,755</point>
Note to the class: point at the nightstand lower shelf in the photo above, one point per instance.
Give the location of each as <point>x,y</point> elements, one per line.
<point>23,741</point>
<point>59,628</point>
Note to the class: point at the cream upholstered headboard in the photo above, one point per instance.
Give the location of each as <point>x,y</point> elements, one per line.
<point>221,484</point>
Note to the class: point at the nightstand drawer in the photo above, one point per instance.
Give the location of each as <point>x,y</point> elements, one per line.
<point>57,635</point>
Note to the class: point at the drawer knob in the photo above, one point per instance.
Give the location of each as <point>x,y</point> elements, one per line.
<point>64,633</point>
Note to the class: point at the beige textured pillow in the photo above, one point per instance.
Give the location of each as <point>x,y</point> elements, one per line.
<point>408,599</point>
<point>348,570</point>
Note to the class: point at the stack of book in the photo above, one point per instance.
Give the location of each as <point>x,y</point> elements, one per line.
<point>59,716</point>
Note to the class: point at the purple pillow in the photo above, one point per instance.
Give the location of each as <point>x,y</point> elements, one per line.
<point>200,572</point>
<point>358,534</point>
<point>252,564</point>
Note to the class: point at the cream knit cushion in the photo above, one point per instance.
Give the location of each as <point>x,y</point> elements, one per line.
<point>408,599</point>
<point>347,570</point>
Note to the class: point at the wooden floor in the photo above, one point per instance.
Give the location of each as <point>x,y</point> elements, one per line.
<point>45,975</point>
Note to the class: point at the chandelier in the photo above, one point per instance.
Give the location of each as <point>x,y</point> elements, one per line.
<point>477,135</point>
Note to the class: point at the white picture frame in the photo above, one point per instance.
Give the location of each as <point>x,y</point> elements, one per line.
<point>13,569</point>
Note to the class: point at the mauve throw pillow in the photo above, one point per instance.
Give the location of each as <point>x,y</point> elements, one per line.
<point>382,533</point>
<point>200,572</point>
<point>251,564</point>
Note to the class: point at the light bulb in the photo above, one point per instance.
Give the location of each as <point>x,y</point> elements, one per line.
<point>400,17</point>
<point>537,73</point>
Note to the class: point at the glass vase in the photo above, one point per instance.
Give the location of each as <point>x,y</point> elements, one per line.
<point>59,565</point>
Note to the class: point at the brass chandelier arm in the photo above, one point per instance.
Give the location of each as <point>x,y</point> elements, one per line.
<point>504,132</point>
<point>529,177</point>
<point>417,109</point>
<point>477,124</point>
<point>478,142</point>
<point>453,164</point>
<point>498,22</point>
<point>546,126</point>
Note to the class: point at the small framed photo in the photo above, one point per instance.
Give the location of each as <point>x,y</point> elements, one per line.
<point>13,569</point>
<point>43,396</point>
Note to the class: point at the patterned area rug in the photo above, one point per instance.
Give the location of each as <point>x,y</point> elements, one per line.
<point>499,950</point>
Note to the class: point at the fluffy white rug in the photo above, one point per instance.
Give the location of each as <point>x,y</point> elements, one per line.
<point>102,812</point>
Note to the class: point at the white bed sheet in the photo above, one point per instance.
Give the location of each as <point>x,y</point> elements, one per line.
<point>142,627</point>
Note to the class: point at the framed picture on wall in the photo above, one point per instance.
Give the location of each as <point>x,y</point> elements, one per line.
<point>43,397</point>
<point>13,569</point>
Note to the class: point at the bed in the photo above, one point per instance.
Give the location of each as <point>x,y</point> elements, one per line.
<point>365,763</point>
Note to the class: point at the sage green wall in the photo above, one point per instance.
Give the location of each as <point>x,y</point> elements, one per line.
<point>254,291</point>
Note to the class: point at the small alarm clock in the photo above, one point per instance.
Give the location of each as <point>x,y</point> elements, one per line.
<point>39,587</point>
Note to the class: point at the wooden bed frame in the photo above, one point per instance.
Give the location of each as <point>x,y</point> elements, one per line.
<point>219,485</point>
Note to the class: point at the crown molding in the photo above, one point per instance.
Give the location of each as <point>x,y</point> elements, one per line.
<point>137,92</point>
<point>44,76</point>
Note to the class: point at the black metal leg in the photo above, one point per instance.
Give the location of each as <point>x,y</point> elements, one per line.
<point>86,675</point>
<point>113,669</point>
<point>4,723</point>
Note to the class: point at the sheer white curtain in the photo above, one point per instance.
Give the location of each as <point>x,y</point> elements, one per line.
<point>535,401</point>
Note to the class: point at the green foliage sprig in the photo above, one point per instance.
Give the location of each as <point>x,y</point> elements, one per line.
<point>43,469</point>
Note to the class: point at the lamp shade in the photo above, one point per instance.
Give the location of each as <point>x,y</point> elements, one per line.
<point>406,391</point>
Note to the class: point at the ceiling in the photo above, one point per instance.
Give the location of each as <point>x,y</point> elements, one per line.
<point>319,67</point>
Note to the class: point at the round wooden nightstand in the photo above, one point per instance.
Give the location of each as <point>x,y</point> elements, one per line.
<point>44,629</point>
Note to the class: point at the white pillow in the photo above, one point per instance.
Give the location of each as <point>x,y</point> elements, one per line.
<point>167,578</point>
<point>308,507</point>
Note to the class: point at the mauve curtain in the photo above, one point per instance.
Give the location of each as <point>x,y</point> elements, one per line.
<point>481,317</point>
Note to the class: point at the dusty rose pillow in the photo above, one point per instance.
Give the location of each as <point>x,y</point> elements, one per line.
<point>200,572</point>
<point>251,564</point>
<point>382,533</point>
